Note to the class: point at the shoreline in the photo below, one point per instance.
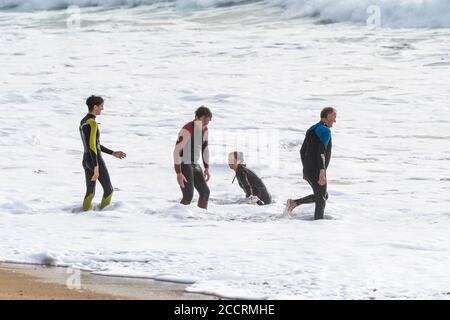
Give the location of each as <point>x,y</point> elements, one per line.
<point>39,282</point>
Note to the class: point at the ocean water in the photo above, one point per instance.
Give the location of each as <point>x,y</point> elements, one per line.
<point>266,69</point>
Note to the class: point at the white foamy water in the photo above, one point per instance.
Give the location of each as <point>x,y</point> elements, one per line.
<point>260,69</point>
<point>397,13</point>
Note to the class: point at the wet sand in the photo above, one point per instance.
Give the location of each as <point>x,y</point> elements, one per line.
<point>34,282</point>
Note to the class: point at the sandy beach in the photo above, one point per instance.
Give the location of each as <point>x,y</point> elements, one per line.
<point>34,282</point>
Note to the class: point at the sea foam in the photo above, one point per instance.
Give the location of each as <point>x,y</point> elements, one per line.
<point>384,13</point>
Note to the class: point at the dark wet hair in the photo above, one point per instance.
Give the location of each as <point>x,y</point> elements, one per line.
<point>203,111</point>
<point>326,111</point>
<point>93,101</point>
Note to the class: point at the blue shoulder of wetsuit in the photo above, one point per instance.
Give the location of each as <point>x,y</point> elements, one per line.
<point>323,132</point>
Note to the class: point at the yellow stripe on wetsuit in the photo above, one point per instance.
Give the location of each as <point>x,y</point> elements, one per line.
<point>93,137</point>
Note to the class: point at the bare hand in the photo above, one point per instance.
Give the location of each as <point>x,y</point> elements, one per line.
<point>181,180</point>
<point>119,154</point>
<point>96,174</point>
<point>252,200</point>
<point>207,175</point>
<point>322,178</point>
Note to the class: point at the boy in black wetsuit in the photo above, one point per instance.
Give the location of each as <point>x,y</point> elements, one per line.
<point>254,188</point>
<point>93,164</point>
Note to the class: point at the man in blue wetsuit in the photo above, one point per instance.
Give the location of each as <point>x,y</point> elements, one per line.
<point>315,154</point>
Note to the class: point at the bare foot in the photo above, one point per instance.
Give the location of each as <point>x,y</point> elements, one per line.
<point>290,206</point>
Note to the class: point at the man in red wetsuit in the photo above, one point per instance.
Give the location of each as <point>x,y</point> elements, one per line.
<point>193,139</point>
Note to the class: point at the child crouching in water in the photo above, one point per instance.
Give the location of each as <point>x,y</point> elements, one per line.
<point>254,188</point>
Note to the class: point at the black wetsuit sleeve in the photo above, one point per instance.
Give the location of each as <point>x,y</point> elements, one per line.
<point>106,150</point>
<point>303,152</point>
<point>328,155</point>
<point>90,134</point>
<point>324,136</point>
<point>321,156</point>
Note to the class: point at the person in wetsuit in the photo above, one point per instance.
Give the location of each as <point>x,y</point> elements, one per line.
<point>193,140</point>
<point>93,164</point>
<point>315,155</point>
<point>248,180</point>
